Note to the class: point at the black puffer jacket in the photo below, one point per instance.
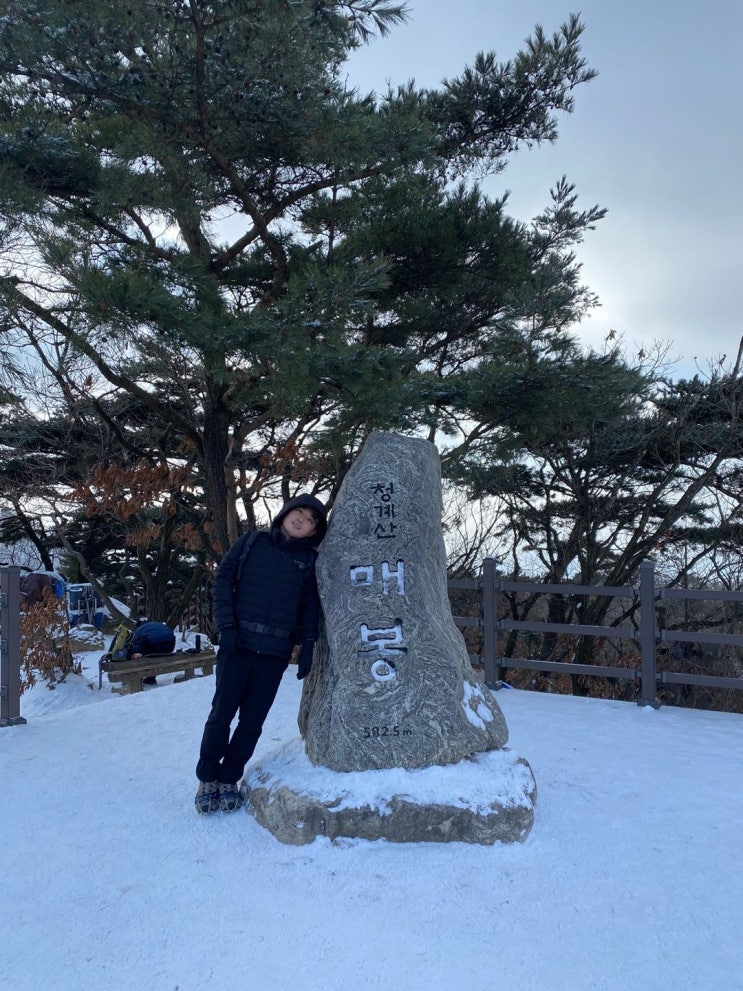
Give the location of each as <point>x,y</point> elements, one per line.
<point>269,594</point>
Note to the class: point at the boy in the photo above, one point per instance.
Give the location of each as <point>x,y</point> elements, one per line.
<point>265,601</point>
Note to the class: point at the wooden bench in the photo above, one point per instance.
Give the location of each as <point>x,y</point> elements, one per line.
<point>128,675</point>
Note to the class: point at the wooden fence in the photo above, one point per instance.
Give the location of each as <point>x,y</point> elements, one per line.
<point>644,631</point>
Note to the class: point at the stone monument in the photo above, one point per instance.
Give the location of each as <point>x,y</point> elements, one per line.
<point>392,696</point>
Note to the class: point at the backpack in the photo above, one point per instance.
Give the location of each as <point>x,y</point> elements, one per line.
<point>150,638</point>
<point>120,643</point>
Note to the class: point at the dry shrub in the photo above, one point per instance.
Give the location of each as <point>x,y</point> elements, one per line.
<point>712,661</point>
<point>564,648</point>
<point>46,651</point>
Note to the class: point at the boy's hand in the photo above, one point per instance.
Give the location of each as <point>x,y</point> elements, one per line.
<point>305,660</point>
<point>228,639</point>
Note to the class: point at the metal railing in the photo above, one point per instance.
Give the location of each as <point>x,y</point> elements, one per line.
<point>10,646</point>
<point>645,633</point>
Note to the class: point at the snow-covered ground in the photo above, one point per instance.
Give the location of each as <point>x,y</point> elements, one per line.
<point>629,881</point>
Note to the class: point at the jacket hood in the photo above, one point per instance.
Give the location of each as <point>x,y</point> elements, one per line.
<point>305,499</point>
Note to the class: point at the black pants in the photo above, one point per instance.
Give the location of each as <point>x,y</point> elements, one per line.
<point>246,683</point>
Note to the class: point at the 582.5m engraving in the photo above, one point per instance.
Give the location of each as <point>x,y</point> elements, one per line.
<point>380,731</point>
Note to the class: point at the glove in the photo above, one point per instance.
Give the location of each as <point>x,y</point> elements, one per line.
<point>305,660</point>
<point>228,640</point>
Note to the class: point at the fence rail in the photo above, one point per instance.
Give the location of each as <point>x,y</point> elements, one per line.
<point>646,633</point>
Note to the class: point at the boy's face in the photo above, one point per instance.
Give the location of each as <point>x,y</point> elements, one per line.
<point>298,523</point>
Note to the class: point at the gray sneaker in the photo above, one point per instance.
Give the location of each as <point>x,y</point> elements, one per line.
<point>207,797</point>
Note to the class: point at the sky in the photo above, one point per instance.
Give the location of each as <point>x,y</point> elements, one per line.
<point>628,881</point>
<point>656,138</point>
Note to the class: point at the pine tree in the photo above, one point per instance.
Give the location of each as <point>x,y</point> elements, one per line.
<point>195,206</point>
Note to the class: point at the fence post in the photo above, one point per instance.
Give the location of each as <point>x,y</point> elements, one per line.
<point>10,646</point>
<point>648,673</point>
<point>489,616</point>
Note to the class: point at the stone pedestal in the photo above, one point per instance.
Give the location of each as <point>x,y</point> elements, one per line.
<point>486,799</point>
<point>391,685</point>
